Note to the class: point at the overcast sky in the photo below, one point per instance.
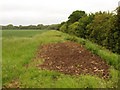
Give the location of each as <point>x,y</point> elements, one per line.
<point>26,12</point>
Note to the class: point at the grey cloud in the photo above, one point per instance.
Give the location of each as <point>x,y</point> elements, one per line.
<point>48,11</point>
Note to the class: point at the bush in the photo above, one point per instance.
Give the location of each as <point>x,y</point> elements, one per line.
<point>102,28</point>
<point>72,29</point>
<point>63,28</point>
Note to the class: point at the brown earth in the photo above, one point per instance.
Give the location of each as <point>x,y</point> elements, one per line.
<point>71,58</point>
<point>55,36</point>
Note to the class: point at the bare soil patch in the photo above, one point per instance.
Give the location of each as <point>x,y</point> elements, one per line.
<point>71,58</point>
<point>55,36</point>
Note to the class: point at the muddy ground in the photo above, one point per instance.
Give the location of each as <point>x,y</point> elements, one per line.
<point>71,58</point>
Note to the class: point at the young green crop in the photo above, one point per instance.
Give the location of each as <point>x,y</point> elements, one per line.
<point>21,33</point>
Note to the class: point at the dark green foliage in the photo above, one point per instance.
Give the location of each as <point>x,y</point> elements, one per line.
<point>75,16</point>
<point>82,26</point>
<point>101,25</point>
<point>104,31</point>
<point>117,34</point>
<point>102,28</point>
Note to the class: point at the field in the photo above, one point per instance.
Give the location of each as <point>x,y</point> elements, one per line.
<point>20,68</point>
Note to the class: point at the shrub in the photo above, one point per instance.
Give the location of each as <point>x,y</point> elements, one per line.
<point>63,28</point>
<point>72,29</point>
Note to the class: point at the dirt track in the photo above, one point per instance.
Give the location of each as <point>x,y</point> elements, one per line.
<point>71,58</point>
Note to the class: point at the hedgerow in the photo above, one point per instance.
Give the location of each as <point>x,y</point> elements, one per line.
<point>102,28</point>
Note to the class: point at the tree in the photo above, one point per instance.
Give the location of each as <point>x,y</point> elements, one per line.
<point>10,26</point>
<point>75,16</point>
<point>40,26</point>
<point>105,31</point>
<point>83,22</point>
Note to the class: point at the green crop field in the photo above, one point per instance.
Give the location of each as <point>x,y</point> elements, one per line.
<point>19,47</point>
<point>21,33</point>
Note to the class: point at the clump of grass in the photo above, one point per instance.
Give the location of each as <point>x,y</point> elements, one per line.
<point>113,78</point>
<point>114,75</point>
<point>92,47</point>
<point>108,56</point>
<point>78,65</point>
<point>51,79</point>
<point>71,38</point>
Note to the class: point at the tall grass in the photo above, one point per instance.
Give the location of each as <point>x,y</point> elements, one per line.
<point>19,51</point>
<point>52,79</point>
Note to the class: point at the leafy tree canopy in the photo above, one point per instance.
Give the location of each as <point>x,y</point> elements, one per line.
<point>75,16</point>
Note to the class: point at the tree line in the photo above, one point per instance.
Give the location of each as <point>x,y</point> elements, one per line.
<point>36,27</point>
<point>102,28</point>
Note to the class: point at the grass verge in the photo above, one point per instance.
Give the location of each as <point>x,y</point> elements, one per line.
<point>19,51</point>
